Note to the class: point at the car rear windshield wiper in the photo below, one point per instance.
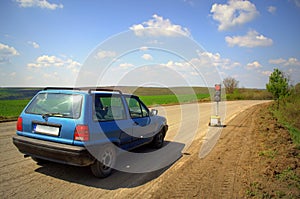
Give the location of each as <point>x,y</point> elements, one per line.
<point>56,114</point>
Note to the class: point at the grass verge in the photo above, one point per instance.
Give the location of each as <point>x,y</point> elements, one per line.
<point>288,114</point>
<point>275,166</point>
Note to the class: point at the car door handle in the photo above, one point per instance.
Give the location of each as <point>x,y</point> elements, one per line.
<point>135,123</point>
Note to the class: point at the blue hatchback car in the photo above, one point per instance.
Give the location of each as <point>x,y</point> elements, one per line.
<point>86,127</point>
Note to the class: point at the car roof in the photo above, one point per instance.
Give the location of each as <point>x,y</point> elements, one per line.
<point>85,90</point>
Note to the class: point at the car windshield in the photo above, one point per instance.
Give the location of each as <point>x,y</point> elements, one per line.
<point>56,105</point>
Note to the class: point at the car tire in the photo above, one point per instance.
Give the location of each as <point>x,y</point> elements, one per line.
<point>105,162</point>
<point>158,140</point>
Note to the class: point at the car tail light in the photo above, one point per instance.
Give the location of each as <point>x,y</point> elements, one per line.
<point>20,124</point>
<point>81,133</point>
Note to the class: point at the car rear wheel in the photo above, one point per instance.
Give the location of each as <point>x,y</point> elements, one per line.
<point>105,162</point>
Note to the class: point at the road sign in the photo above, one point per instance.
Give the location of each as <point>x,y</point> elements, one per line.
<point>218,87</point>
<point>217,96</point>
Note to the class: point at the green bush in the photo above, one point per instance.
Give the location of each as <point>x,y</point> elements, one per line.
<point>249,94</point>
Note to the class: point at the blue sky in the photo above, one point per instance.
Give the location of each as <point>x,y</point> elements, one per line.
<point>49,42</point>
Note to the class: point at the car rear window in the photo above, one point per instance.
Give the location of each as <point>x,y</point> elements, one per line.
<point>56,105</point>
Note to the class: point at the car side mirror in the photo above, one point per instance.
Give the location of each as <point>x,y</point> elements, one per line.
<point>153,112</point>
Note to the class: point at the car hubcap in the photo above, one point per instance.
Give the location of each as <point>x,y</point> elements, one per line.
<point>107,159</point>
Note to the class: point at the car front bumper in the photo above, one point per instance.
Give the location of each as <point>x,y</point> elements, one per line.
<point>56,152</point>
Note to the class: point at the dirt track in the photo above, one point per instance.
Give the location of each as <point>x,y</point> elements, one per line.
<point>224,172</point>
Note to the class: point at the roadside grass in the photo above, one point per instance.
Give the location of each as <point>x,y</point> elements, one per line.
<point>288,114</point>
<point>289,175</point>
<point>253,190</point>
<point>276,172</point>
<point>268,153</point>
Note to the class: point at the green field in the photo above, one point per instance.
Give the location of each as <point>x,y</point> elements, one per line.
<point>172,99</point>
<point>11,109</point>
<point>13,100</point>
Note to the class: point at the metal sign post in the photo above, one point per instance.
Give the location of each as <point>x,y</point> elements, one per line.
<point>215,120</point>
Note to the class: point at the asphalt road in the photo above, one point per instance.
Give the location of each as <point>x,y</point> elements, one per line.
<point>188,124</point>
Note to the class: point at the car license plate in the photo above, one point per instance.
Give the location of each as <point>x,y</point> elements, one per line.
<point>49,130</point>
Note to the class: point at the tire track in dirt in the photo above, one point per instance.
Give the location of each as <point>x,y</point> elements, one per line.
<point>234,148</point>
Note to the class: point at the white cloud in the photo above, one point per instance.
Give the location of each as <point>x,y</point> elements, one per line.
<point>177,65</point>
<point>234,13</point>
<point>252,39</point>
<point>52,76</point>
<point>266,73</point>
<point>158,26</point>
<point>33,44</point>
<point>272,9</point>
<point>253,65</point>
<point>292,62</point>
<point>208,59</point>
<point>38,3</point>
<point>143,48</point>
<point>46,61</point>
<point>6,52</point>
<point>105,54</point>
<point>50,61</point>
<point>291,66</point>
<point>277,61</point>
<point>126,65</point>
<point>289,62</point>
<point>72,65</point>
<point>147,57</point>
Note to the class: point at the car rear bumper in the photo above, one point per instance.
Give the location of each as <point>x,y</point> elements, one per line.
<point>56,152</point>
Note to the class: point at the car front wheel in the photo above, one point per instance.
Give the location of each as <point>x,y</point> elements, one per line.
<point>158,140</point>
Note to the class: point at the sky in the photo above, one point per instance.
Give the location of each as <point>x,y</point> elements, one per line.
<point>147,42</point>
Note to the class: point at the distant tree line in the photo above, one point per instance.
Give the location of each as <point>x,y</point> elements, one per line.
<point>17,93</point>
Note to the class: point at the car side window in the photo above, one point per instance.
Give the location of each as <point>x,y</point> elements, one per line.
<point>136,108</point>
<point>108,108</point>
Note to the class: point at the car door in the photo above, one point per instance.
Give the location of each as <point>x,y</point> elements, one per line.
<point>110,115</point>
<point>142,125</point>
